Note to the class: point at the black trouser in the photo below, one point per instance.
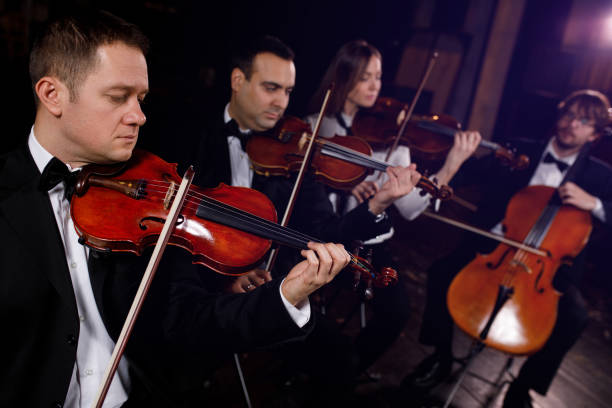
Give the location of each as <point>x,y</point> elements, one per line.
<point>333,356</point>
<point>539,370</point>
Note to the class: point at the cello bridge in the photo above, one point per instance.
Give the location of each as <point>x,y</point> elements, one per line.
<point>515,263</point>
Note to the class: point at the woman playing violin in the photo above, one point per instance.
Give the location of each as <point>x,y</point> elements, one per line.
<point>356,72</point>
<point>582,117</point>
<point>62,303</point>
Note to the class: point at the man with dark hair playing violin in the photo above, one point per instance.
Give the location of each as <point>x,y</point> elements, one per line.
<point>63,304</point>
<point>261,79</point>
<point>583,115</point>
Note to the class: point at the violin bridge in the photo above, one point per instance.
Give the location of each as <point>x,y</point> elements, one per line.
<point>400,117</point>
<point>169,195</point>
<point>303,141</point>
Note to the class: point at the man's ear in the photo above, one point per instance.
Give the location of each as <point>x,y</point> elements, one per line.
<point>51,94</point>
<point>237,79</point>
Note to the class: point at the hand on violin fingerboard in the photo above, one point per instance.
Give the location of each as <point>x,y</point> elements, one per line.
<point>249,281</point>
<point>464,146</point>
<point>364,190</point>
<point>401,181</point>
<point>322,264</point>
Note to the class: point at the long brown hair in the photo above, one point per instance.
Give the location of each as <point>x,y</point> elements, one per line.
<point>344,71</point>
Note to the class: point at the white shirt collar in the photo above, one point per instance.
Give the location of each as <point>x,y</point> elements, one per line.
<point>227,118</point>
<point>41,156</point>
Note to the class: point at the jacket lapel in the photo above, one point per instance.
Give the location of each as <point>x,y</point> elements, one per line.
<point>28,211</point>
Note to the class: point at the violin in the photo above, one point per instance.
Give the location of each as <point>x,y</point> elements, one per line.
<point>227,229</point>
<point>341,162</point>
<point>430,137</point>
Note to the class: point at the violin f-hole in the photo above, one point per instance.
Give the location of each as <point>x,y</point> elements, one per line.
<point>144,227</point>
<point>285,136</point>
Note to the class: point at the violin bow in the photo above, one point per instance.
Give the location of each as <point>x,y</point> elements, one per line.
<point>417,95</point>
<point>300,177</point>
<point>145,283</point>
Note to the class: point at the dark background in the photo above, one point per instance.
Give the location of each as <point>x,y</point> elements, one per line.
<point>193,39</point>
<point>558,49</point>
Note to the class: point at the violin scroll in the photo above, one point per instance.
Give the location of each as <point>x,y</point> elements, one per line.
<point>508,157</point>
<point>429,187</point>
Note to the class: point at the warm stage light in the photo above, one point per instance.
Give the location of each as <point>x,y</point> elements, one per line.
<point>606,37</point>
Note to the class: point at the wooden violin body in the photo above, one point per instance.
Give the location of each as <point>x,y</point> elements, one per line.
<point>127,212</point>
<point>228,229</point>
<point>341,161</point>
<point>523,323</point>
<point>281,154</point>
<point>430,137</point>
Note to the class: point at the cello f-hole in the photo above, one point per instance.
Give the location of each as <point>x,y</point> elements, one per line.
<point>490,265</point>
<point>540,273</point>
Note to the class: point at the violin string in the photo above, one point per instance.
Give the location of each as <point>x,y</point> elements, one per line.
<point>245,217</point>
<point>357,157</point>
<point>254,220</point>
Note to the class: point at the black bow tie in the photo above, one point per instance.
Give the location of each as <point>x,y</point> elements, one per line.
<point>54,173</point>
<point>231,129</point>
<point>561,165</point>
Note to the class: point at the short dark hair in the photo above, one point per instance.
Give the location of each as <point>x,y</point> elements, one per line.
<point>593,104</point>
<point>244,56</point>
<point>67,47</point>
<point>344,71</point>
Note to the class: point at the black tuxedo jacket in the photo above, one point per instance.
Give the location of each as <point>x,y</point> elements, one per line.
<point>181,328</point>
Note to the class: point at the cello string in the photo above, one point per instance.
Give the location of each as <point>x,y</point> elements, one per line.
<point>355,156</point>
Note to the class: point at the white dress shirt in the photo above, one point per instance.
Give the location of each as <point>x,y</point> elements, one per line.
<point>242,173</point>
<point>94,347</point>
<point>242,176</point>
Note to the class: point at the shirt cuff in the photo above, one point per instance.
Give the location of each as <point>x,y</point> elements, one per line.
<point>598,211</point>
<point>300,313</point>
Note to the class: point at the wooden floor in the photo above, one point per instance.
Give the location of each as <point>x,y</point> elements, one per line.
<point>584,380</point>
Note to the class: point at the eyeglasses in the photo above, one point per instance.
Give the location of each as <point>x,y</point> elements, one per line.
<point>582,120</point>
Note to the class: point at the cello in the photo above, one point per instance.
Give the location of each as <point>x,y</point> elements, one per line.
<point>506,299</point>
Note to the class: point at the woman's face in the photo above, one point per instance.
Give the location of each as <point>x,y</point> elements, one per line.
<point>365,91</point>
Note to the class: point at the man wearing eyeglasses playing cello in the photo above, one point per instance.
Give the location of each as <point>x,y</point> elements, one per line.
<point>582,119</point>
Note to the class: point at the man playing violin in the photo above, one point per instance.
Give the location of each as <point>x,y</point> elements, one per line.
<point>262,79</point>
<point>63,304</point>
<point>356,72</point>
<point>583,115</point>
